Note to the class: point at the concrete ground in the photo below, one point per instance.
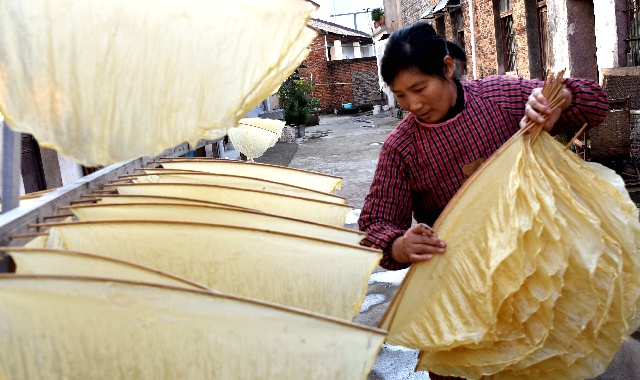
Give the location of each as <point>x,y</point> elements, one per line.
<point>348,146</point>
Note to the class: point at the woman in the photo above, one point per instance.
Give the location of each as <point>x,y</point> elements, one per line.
<point>451,126</point>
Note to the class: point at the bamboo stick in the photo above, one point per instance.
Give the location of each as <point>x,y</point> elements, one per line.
<point>83,201</point>
<point>552,90</point>
<point>37,225</point>
<point>57,216</point>
<point>30,235</point>
<point>576,136</point>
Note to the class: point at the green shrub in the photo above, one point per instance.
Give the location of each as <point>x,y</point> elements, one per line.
<point>376,14</point>
<point>296,96</point>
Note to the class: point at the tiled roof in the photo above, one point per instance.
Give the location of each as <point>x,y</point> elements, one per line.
<point>330,27</point>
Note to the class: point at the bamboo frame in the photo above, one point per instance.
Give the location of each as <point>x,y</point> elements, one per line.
<point>92,200</point>
<point>57,216</point>
<point>28,235</point>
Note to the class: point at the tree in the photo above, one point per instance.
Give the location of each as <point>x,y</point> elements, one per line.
<point>296,96</point>
<point>376,14</point>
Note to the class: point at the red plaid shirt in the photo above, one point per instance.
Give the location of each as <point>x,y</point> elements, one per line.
<point>420,165</point>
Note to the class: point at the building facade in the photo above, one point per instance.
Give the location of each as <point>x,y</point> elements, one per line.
<point>526,37</point>
<point>342,65</point>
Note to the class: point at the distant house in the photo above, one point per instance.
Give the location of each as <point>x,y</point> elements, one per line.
<point>343,66</point>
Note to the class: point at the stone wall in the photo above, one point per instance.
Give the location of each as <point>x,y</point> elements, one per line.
<point>365,86</point>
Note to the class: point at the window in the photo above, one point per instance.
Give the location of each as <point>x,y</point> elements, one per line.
<point>508,35</point>
<point>633,14</point>
<point>545,59</point>
<point>457,27</point>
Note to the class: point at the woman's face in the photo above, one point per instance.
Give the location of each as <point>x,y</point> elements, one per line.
<point>428,97</point>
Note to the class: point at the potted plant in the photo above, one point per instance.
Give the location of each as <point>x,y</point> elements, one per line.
<point>377,16</point>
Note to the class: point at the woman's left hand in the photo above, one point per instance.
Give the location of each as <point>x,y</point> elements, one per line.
<point>537,109</point>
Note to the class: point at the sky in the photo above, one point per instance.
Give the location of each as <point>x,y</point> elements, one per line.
<point>334,7</point>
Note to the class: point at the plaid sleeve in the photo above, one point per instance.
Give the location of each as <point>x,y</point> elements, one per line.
<point>589,105</point>
<point>386,213</point>
<point>589,101</point>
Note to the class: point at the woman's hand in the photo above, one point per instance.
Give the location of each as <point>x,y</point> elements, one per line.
<point>537,109</point>
<point>418,244</point>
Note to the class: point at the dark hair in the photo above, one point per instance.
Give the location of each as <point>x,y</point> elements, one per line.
<point>417,47</point>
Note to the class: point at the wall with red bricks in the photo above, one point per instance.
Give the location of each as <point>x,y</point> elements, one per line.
<point>522,45</point>
<point>338,82</point>
<point>485,36</point>
<point>485,33</point>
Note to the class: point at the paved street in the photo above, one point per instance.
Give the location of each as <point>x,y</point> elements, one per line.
<point>348,146</point>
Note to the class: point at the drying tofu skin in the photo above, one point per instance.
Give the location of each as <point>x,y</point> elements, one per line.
<point>103,82</point>
<point>58,262</point>
<point>293,207</point>
<point>84,328</point>
<point>126,199</point>
<point>541,278</point>
<point>282,268</point>
<point>217,215</point>
<point>253,136</point>
<point>310,180</point>
<point>164,176</point>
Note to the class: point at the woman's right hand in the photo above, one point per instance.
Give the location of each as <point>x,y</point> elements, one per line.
<point>418,244</point>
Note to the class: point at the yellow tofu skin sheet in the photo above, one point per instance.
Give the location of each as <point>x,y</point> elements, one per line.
<point>541,278</point>
<point>83,328</point>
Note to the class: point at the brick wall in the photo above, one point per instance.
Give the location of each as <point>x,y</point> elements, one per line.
<point>337,82</point>
<point>522,45</point>
<point>317,70</point>
<point>485,36</point>
<point>485,33</point>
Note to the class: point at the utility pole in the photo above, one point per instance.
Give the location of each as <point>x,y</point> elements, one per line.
<point>355,23</point>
